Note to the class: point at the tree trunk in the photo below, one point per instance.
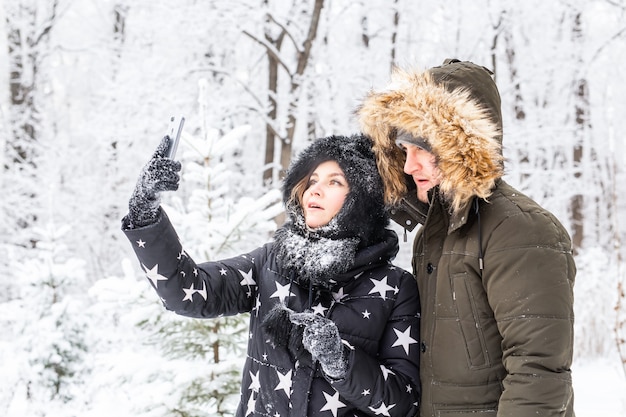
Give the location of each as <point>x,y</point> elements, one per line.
<point>273,48</point>
<point>394,33</point>
<point>581,117</point>
<point>302,62</point>
<point>272,88</point>
<point>27,43</point>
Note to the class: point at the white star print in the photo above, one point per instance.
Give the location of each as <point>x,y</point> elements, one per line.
<point>246,257</point>
<point>366,314</point>
<point>189,292</point>
<point>257,305</point>
<point>202,292</point>
<point>251,404</point>
<point>255,385</point>
<point>382,410</point>
<point>380,287</point>
<point>223,271</point>
<point>332,403</point>
<point>386,372</point>
<point>409,389</point>
<point>366,392</point>
<point>339,295</point>
<point>141,243</point>
<point>282,292</point>
<point>404,339</point>
<point>153,274</point>
<point>247,278</point>
<point>284,383</point>
<point>319,309</point>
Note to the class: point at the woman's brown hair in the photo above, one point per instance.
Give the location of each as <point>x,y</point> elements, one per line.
<point>295,197</point>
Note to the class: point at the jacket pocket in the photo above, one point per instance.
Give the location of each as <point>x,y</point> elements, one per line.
<point>466,412</point>
<point>469,322</point>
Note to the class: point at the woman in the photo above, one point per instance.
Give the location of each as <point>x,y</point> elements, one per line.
<point>333,324</point>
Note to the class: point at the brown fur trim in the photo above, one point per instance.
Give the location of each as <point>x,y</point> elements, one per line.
<point>460,132</point>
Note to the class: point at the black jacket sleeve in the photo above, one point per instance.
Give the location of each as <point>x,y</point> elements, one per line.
<point>206,290</point>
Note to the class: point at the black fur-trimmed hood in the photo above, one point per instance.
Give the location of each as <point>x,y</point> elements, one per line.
<point>363,215</point>
<point>355,238</point>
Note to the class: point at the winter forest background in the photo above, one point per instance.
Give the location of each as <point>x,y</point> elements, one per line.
<point>87,87</point>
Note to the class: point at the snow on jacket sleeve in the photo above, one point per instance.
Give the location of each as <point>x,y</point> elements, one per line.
<point>205,290</point>
<point>388,383</point>
<point>529,274</point>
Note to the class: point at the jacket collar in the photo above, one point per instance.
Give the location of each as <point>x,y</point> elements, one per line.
<point>459,218</point>
<point>410,211</point>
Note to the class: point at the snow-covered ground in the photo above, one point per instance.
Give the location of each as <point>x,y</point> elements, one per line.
<point>599,387</point>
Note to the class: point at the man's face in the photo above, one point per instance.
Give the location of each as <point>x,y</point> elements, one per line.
<point>421,165</point>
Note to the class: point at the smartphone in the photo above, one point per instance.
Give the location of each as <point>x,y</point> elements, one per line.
<point>174,130</point>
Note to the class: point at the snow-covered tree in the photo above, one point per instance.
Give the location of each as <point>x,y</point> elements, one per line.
<point>44,319</point>
<point>215,222</point>
<point>86,89</point>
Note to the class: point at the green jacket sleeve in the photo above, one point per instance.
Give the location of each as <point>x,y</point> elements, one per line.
<point>529,278</point>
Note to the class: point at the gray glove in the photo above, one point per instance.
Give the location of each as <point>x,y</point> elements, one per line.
<point>321,339</point>
<point>159,174</point>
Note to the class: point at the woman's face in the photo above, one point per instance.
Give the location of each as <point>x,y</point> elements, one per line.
<point>325,194</point>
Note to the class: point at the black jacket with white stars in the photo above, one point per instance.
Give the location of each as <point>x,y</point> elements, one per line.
<point>374,305</point>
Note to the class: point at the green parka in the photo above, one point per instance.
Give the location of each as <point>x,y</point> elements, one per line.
<point>494,269</point>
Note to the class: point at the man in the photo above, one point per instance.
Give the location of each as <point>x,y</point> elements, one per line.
<point>494,269</point>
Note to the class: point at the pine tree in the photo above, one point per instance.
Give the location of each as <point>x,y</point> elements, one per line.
<point>214,222</point>
<point>45,322</point>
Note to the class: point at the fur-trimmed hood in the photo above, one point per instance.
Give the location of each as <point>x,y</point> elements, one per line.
<point>363,216</point>
<point>455,109</point>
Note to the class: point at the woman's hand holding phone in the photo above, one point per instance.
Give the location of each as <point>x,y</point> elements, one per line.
<point>173,133</point>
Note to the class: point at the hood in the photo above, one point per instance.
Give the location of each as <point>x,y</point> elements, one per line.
<point>454,111</point>
<point>363,216</point>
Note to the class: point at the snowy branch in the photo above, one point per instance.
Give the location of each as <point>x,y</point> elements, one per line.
<point>270,49</point>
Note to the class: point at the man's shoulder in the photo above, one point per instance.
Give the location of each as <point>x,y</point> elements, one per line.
<point>507,198</point>
<point>518,214</point>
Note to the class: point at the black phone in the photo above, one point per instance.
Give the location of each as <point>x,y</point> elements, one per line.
<point>173,132</point>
